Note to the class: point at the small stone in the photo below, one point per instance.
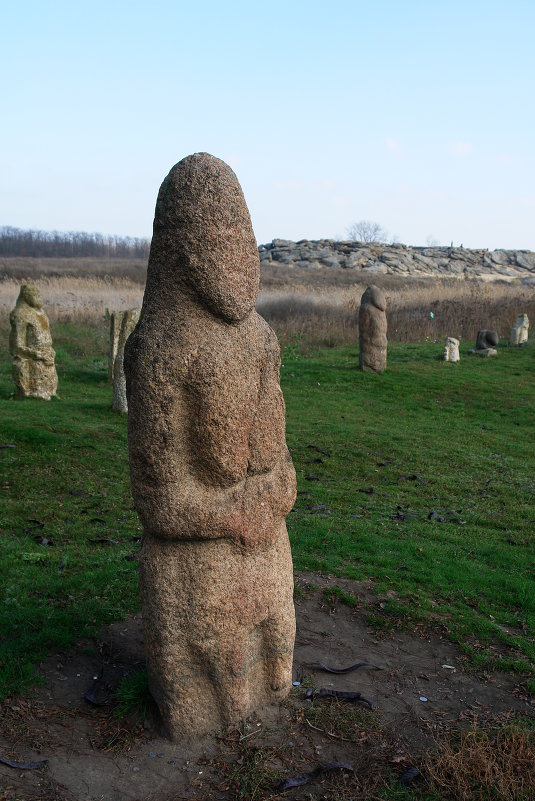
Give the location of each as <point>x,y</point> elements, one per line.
<point>451,350</point>
<point>129,322</point>
<point>486,339</point>
<point>116,318</point>
<point>519,331</point>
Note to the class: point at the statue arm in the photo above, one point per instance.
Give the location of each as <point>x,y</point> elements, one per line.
<point>171,500</point>
<point>170,495</point>
<point>18,345</point>
<point>187,509</point>
<point>17,340</point>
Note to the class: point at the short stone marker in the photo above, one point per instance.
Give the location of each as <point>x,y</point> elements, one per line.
<point>486,343</point>
<point>519,331</point>
<point>451,350</point>
<point>212,478</point>
<point>116,319</point>
<point>372,330</point>
<point>30,344</point>
<point>129,322</point>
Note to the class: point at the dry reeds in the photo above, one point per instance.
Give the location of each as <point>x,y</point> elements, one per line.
<point>21,268</point>
<point>316,307</point>
<point>72,299</point>
<point>329,316</point>
<point>484,764</point>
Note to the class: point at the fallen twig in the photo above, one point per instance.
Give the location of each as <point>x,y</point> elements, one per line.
<point>341,671</point>
<point>11,763</point>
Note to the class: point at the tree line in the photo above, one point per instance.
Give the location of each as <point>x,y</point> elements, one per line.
<point>70,244</point>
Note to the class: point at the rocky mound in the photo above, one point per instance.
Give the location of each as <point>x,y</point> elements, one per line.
<point>373,258</point>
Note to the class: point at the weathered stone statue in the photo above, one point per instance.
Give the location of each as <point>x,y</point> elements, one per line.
<point>129,321</point>
<point>372,330</point>
<point>30,344</point>
<point>486,343</point>
<point>451,350</point>
<point>211,475</point>
<point>519,331</point>
<point>116,319</point>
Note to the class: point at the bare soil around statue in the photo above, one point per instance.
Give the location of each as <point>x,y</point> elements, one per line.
<point>421,688</point>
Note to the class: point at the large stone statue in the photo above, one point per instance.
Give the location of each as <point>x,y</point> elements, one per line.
<point>372,330</point>
<point>30,344</point>
<point>519,331</point>
<point>129,321</point>
<point>211,475</point>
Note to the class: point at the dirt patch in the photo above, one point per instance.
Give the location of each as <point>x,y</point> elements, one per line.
<point>419,686</point>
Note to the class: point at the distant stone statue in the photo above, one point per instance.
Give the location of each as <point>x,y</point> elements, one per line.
<point>212,478</point>
<point>519,331</point>
<point>372,330</point>
<point>451,350</point>
<point>129,322</point>
<point>116,319</point>
<point>30,344</point>
<point>486,343</point>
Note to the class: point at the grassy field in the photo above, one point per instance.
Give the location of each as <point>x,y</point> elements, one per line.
<point>420,479</point>
<point>425,476</point>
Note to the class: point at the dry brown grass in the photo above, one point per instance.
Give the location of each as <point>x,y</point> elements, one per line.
<point>27,268</point>
<point>76,299</point>
<point>329,315</point>
<point>484,765</point>
<point>315,307</point>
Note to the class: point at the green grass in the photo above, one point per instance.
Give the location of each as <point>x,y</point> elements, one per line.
<point>437,461</point>
<point>65,480</point>
<point>425,438</point>
<point>336,593</point>
<point>132,696</point>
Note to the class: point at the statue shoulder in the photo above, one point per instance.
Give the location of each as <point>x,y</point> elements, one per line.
<point>267,336</point>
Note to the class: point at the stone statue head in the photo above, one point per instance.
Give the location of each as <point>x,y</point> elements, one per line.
<point>31,295</point>
<point>203,241</point>
<point>375,297</point>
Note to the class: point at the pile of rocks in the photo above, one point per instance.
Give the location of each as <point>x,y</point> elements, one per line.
<point>377,258</point>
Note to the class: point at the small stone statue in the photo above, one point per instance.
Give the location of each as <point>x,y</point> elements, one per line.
<point>372,330</point>
<point>486,343</point>
<point>212,478</point>
<point>30,344</point>
<point>129,321</point>
<point>451,350</point>
<point>116,319</point>
<point>519,331</point>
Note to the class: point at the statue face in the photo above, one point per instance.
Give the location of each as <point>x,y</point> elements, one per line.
<point>202,226</point>
<point>227,282</point>
<point>31,295</point>
<point>375,296</point>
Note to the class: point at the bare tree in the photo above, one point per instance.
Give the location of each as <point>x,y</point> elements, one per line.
<point>19,242</point>
<point>366,231</point>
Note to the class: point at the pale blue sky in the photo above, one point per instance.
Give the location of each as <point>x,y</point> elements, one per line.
<point>418,115</point>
